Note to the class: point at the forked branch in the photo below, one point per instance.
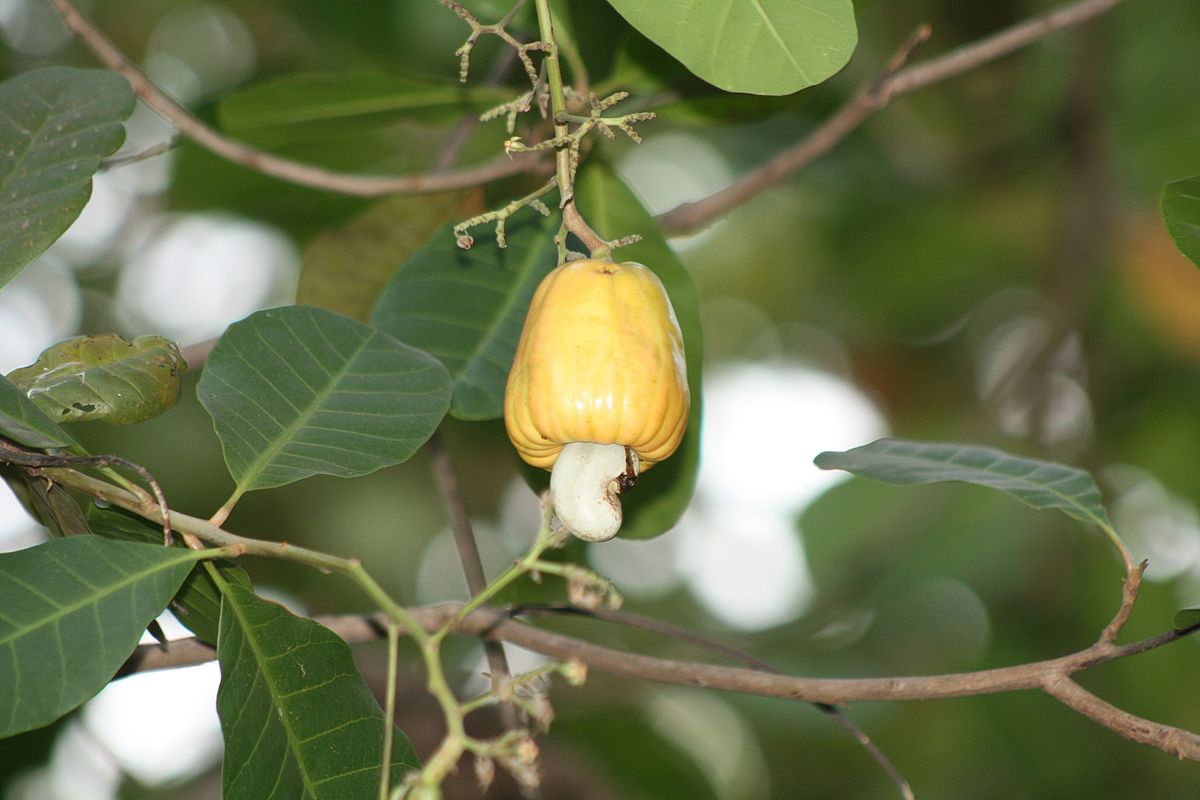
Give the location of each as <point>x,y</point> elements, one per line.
<point>893,82</point>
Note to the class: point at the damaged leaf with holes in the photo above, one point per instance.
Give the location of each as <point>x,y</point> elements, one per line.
<point>104,377</point>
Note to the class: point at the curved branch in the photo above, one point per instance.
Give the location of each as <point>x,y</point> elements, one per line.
<point>492,623</point>
<point>267,163</point>
<point>1171,740</point>
<point>686,217</point>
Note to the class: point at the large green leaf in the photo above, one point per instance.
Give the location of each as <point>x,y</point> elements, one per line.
<point>300,391</point>
<point>466,307</point>
<point>662,494</point>
<point>344,97</point>
<point>24,423</point>
<point>104,377</point>
<point>756,46</point>
<point>197,604</point>
<point>71,612</point>
<point>299,721</point>
<point>56,124</point>
<point>346,269</point>
<point>1041,484</point>
<point>1181,212</point>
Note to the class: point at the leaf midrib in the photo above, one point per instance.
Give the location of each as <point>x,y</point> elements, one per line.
<point>286,435</point>
<point>1069,499</point>
<point>71,608</point>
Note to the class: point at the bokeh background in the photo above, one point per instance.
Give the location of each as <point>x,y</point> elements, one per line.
<point>982,261</point>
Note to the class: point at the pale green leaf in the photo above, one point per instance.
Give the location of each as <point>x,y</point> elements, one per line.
<point>1181,212</point>
<point>346,269</point>
<point>71,611</point>
<point>298,719</point>
<point>300,391</point>
<point>56,124</point>
<point>757,46</point>
<point>1041,484</point>
<point>104,377</point>
<point>467,307</point>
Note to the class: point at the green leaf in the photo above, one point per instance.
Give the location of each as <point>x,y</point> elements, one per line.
<point>466,307</point>
<point>24,423</point>
<point>661,495</point>
<point>71,612</point>
<point>104,377</point>
<point>346,269</point>
<point>298,719</point>
<point>56,126</point>
<point>346,96</point>
<point>1181,212</point>
<point>299,391</point>
<point>1186,618</point>
<point>51,504</point>
<point>197,604</point>
<point>756,46</point>
<point>1041,484</point>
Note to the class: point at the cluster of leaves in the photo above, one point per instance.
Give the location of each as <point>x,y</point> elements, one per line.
<point>351,387</point>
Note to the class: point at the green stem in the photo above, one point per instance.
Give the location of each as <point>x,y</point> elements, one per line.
<point>562,154</point>
<point>241,545</point>
<point>545,540</point>
<point>570,51</point>
<point>487,698</point>
<point>385,769</point>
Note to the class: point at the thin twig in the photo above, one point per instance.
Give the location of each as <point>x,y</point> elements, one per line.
<point>266,163</point>
<point>894,82</point>
<point>152,151</point>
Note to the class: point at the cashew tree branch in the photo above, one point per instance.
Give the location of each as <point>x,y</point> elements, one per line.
<point>894,82</point>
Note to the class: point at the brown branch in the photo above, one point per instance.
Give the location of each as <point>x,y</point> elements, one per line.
<point>686,217</point>
<point>1171,740</point>
<point>495,624</point>
<point>681,634</point>
<point>272,165</point>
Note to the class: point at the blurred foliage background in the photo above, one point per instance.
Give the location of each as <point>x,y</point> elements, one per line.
<point>983,260</point>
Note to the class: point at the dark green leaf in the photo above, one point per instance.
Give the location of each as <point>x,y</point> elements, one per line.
<point>466,307</point>
<point>71,612</point>
<point>24,423</point>
<point>300,391</point>
<point>56,125</point>
<point>197,604</point>
<point>104,377</point>
<point>298,719</point>
<point>662,494</point>
<point>47,502</point>
<point>1181,212</point>
<point>377,96</point>
<point>761,47</point>
<point>346,269</point>
<point>1041,484</point>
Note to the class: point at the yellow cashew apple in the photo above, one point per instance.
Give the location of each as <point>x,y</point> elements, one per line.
<point>598,389</point>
